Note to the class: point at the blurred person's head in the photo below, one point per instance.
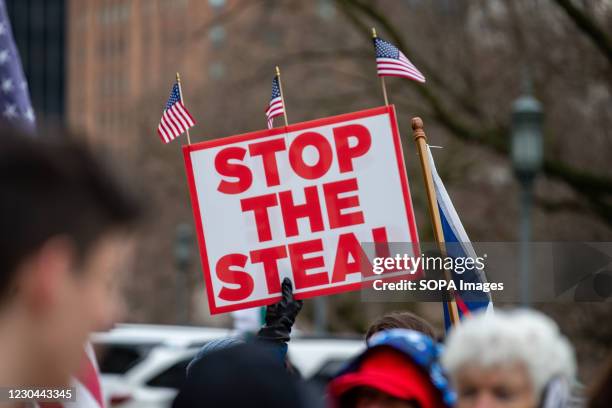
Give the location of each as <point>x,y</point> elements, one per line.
<point>398,369</point>
<point>508,360</point>
<point>211,347</point>
<point>242,376</point>
<point>400,320</point>
<point>62,240</point>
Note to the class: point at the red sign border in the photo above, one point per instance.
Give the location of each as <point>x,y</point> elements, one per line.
<point>187,149</point>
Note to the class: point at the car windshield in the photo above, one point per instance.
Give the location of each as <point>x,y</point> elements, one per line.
<point>118,358</point>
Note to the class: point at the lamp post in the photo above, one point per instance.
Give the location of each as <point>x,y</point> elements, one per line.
<point>182,259</point>
<point>527,118</point>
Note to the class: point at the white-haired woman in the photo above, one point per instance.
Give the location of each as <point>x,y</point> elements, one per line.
<point>515,359</point>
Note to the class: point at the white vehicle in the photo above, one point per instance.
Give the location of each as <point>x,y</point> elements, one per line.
<point>144,365</point>
<point>141,365</point>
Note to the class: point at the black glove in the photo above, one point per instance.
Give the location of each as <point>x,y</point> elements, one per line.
<point>281,316</point>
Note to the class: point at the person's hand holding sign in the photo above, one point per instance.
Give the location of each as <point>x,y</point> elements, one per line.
<point>281,316</point>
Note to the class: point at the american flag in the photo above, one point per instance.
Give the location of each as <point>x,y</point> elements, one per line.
<point>15,107</point>
<point>390,61</point>
<point>176,119</point>
<point>275,108</point>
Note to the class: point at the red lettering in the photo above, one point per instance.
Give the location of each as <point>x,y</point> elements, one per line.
<point>239,171</point>
<point>381,242</point>
<point>346,153</point>
<point>296,158</point>
<point>349,246</point>
<point>259,205</point>
<point>267,150</point>
<point>311,209</point>
<point>300,265</point>
<point>236,277</point>
<point>269,257</point>
<point>335,204</point>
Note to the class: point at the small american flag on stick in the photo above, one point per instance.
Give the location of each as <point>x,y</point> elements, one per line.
<point>275,107</point>
<point>390,61</point>
<point>176,119</point>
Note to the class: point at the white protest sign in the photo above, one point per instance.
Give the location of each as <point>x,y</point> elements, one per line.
<point>297,202</point>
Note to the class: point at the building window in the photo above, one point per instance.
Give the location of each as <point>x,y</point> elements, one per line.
<point>179,3</point>
<point>216,70</point>
<point>326,9</point>
<point>217,36</point>
<point>216,4</point>
<point>114,13</point>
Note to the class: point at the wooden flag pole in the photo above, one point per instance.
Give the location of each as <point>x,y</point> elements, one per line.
<point>421,141</point>
<point>178,81</point>
<point>382,78</point>
<point>382,81</point>
<point>280,88</point>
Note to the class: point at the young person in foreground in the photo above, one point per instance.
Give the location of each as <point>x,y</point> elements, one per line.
<point>62,242</point>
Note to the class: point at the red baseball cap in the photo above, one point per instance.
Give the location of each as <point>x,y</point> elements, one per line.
<point>389,371</point>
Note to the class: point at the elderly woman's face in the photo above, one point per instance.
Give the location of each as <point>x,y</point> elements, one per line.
<point>507,386</point>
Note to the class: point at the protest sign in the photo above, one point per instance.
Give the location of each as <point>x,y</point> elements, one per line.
<point>297,201</point>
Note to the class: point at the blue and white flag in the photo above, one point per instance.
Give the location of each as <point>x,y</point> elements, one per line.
<point>458,245</point>
<point>15,107</point>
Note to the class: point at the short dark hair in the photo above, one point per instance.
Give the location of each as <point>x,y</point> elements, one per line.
<point>50,185</point>
<point>401,320</point>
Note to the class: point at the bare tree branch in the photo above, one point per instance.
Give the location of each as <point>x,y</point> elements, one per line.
<point>594,188</point>
<point>560,205</point>
<point>589,27</point>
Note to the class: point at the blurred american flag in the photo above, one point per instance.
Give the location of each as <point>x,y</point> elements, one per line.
<point>15,107</point>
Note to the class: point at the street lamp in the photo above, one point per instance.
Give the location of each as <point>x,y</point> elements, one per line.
<point>182,258</point>
<point>527,118</point>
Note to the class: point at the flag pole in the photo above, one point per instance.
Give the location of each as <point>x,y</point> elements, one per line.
<point>178,81</point>
<point>382,78</point>
<point>382,81</point>
<point>421,142</point>
<point>280,88</point>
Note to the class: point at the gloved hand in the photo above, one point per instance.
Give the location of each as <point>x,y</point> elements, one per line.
<point>281,316</point>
